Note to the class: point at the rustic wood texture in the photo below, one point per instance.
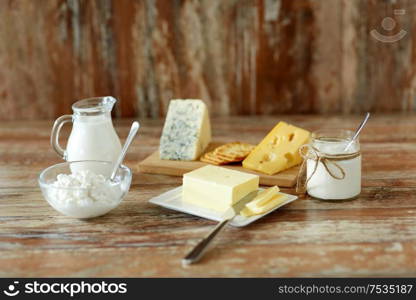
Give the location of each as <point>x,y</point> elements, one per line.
<point>241,57</point>
<point>374,235</point>
<point>154,165</point>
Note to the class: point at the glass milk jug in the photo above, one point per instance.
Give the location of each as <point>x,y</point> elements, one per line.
<point>93,136</point>
<point>333,173</point>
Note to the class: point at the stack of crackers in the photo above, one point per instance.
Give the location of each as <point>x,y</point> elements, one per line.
<point>228,153</point>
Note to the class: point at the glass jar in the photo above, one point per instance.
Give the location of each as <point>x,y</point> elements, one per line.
<point>333,173</point>
<point>92,137</point>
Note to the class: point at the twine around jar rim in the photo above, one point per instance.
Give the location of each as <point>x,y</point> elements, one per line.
<point>309,152</point>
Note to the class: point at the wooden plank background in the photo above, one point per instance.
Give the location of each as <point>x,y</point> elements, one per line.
<point>374,235</point>
<point>241,57</point>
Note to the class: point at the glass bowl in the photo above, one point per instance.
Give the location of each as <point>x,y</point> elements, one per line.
<point>88,201</point>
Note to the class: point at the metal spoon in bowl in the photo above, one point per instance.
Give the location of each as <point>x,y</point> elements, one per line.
<point>357,131</point>
<point>133,131</point>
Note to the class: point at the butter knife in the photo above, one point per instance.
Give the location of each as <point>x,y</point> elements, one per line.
<point>199,250</point>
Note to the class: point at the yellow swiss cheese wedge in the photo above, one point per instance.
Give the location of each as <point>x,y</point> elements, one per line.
<point>264,202</point>
<point>279,150</point>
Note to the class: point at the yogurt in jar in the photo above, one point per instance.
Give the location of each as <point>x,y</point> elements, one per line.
<point>337,176</point>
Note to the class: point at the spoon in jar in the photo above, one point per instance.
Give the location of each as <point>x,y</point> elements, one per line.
<point>357,131</point>
<point>133,131</point>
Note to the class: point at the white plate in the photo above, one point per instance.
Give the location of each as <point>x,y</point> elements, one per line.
<point>173,199</point>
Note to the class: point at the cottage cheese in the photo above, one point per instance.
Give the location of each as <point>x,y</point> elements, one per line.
<point>84,194</point>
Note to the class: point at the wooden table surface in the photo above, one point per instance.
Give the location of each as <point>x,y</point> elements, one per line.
<point>374,235</point>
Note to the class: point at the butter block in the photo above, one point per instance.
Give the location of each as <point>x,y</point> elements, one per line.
<point>217,188</point>
<point>187,130</point>
<point>266,206</point>
<point>279,150</point>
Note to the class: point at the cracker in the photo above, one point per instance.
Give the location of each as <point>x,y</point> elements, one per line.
<point>229,159</point>
<point>234,151</point>
<point>209,157</point>
<point>228,153</point>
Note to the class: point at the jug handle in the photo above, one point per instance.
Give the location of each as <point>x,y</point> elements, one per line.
<point>56,129</point>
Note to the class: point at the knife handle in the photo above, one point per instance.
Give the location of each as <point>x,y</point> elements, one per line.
<point>199,250</point>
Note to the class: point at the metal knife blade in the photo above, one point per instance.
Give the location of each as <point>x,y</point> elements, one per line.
<point>198,251</point>
<point>239,206</point>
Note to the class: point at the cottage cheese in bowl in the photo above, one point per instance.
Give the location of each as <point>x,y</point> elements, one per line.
<point>83,194</point>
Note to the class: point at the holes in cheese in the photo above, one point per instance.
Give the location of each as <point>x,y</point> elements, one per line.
<point>268,157</point>
<point>289,157</point>
<point>278,151</point>
<point>275,141</point>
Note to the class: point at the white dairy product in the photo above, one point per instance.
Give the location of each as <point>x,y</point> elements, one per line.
<point>84,194</point>
<point>324,186</point>
<point>93,138</point>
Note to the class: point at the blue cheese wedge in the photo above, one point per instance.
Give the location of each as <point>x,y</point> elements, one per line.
<point>217,188</point>
<point>187,130</point>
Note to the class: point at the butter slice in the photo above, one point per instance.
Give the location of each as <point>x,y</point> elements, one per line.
<point>217,188</point>
<point>262,198</point>
<point>262,205</point>
<point>279,150</point>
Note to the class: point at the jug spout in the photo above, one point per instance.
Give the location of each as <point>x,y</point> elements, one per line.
<point>94,106</point>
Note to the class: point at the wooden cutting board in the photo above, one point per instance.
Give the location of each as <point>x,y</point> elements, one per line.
<point>154,165</point>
